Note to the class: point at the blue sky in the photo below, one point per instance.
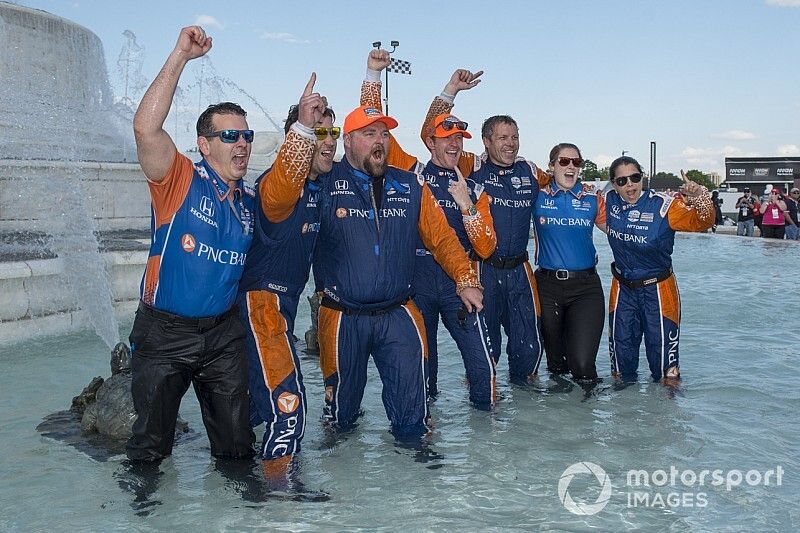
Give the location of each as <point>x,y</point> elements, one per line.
<point>704,79</point>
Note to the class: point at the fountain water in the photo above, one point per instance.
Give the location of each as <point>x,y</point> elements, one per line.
<point>66,172</point>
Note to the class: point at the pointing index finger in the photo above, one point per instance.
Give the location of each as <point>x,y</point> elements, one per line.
<point>310,85</point>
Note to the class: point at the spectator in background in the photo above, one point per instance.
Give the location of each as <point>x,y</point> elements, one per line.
<point>717,201</point>
<point>772,225</point>
<point>792,222</point>
<point>746,208</point>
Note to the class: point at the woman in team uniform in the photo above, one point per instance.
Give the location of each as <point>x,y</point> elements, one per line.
<point>644,298</point>
<point>570,293</point>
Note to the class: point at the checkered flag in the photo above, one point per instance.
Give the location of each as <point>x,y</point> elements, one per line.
<point>399,66</point>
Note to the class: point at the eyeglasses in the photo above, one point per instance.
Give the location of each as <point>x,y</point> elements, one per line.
<point>450,123</point>
<point>623,180</point>
<point>565,161</point>
<point>232,136</point>
<point>322,133</point>
<point>795,192</point>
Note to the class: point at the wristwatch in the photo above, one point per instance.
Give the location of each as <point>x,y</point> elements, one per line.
<point>471,210</point>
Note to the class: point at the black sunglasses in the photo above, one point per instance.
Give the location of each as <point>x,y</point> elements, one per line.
<point>564,161</point>
<point>623,180</point>
<point>450,123</point>
<point>322,133</point>
<point>231,136</point>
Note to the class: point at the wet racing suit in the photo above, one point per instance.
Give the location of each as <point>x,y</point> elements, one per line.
<point>510,296</point>
<point>435,291</point>
<point>644,298</point>
<point>186,330</point>
<point>366,254</point>
<point>570,293</point>
<point>276,272</point>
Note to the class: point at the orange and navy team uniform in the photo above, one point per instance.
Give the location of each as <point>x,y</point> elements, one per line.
<point>570,291</point>
<point>644,297</point>
<point>365,259</point>
<point>276,272</point>
<point>186,329</point>
<point>509,287</point>
<point>435,291</point>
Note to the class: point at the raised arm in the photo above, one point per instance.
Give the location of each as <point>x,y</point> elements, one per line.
<point>155,147</point>
<point>280,189</point>
<point>377,61</point>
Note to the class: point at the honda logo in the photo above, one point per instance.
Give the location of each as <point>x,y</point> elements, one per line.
<point>207,206</point>
<point>341,185</point>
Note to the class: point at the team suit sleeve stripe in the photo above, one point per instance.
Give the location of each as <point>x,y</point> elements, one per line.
<point>168,194</point>
<point>441,240</point>
<point>601,209</point>
<point>696,217</point>
<point>280,189</point>
<point>480,228</point>
<point>437,107</point>
<point>270,332</point>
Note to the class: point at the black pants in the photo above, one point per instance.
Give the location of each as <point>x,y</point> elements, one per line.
<point>772,232</point>
<point>169,353</point>
<point>573,314</point>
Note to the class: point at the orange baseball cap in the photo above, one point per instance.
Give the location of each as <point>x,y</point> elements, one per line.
<point>457,126</point>
<point>365,115</point>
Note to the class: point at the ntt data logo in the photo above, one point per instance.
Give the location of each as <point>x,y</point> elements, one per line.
<point>581,507</point>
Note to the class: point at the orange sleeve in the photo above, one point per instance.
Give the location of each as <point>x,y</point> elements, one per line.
<point>441,240</point>
<point>168,194</point>
<point>695,214</point>
<point>466,163</point>
<point>480,228</point>
<point>601,209</point>
<point>398,158</point>
<point>437,107</point>
<point>541,176</point>
<point>280,189</point>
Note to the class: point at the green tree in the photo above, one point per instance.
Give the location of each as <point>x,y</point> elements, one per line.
<point>665,180</point>
<point>590,172</point>
<point>700,178</point>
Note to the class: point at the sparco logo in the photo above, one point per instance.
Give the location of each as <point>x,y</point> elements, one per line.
<point>276,287</point>
<point>579,507</point>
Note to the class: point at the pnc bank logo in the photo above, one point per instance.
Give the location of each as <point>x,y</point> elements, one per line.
<point>188,243</point>
<point>288,402</point>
